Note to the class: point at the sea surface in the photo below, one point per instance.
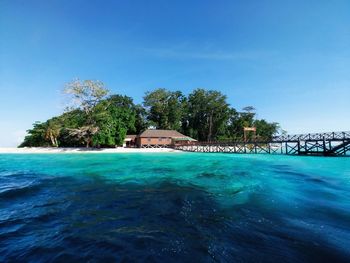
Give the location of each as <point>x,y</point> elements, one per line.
<point>174,207</point>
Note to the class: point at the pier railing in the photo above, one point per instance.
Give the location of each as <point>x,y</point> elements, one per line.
<point>313,137</point>
<point>326,144</point>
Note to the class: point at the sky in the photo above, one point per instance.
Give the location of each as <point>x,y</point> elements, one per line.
<point>288,59</point>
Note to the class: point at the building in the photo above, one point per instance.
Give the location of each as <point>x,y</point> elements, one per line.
<point>156,139</point>
<point>130,141</point>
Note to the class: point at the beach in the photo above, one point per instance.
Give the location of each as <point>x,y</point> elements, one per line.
<point>36,150</point>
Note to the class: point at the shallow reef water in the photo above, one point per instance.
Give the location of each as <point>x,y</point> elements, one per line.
<point>174,207</point>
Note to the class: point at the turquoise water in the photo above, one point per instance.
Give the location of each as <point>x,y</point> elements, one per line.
<point>172,207</point>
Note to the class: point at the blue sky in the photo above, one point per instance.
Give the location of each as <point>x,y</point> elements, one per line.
<point>289,59</point>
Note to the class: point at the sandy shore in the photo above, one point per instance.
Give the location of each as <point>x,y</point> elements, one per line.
<point>85,150</point>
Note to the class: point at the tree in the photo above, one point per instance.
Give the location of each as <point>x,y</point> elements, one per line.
<point>70,120</point>
<point>52,132</point>
<point>249,109</point>
<point>93,119</point>
<point>164,108</point>
<point>156,106</point>
<point>141,122</point>
<point>85,95</point>
<point>247,116</point>
<point>234,126</point>
<point>208,113</point>
<point>266,130</point>
<point>114,116</point>
<point>83,134</point>
<point>36,136</point>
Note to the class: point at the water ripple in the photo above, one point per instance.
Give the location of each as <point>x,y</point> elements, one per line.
<point>198,207</point>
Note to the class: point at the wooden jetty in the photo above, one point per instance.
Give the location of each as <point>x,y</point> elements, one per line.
<point>322,144</point>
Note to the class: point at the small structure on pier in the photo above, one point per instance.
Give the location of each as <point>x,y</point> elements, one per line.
<point>246,131</point>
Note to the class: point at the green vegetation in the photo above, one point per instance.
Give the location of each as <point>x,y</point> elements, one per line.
<point>96,118</point>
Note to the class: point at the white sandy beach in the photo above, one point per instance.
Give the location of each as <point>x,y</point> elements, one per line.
<point>85,150</point>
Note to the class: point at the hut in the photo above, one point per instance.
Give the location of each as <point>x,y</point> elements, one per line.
<point>130,141</point>
<point>160,138</point>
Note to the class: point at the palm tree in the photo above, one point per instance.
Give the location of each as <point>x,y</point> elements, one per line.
<point>52,132</point>
<point>249,109</point>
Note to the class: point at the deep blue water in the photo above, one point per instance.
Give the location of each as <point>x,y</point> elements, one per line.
<point>176,207</point>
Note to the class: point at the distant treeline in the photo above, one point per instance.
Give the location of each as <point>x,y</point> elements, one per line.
<point>96,118</point>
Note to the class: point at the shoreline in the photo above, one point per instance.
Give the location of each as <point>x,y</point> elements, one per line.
<point>33,150</point>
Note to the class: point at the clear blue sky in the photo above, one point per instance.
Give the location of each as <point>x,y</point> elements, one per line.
<point>289,59</point>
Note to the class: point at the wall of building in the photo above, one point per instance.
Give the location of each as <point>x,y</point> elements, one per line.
<point>154,141</point>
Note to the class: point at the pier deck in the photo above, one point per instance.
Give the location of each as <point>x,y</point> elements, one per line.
<point>323,144</point>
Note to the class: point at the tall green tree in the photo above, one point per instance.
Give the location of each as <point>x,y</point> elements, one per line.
<point>265,130</point>
<point>85,95</point>
<point>115,117</point>
<point>53,129</point>
<point>208,112</point>
<point>234,126</point>
<point>141,120</point>
<point>247,116</point>
<point>165,108</point>
<point>71,120</point>
<point>36,136</point>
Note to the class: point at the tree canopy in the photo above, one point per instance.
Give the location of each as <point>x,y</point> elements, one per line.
<point>208,113</point>
<point>164,108</point>
<point>95,118</point>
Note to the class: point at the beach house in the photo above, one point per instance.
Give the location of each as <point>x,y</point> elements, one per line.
<point>160,138</point>
<point>156,139</point>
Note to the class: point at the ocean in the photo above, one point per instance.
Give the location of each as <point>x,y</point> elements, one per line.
<point>174,207</point>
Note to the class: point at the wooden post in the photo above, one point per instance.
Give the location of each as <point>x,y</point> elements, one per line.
<point>255,147</point>
<point>281,148</point>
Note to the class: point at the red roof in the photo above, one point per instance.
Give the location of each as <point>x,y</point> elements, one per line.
<point>162,133</point>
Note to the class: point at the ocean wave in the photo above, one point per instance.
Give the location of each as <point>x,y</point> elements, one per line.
<point>18,189</point>
<point>233,212</point>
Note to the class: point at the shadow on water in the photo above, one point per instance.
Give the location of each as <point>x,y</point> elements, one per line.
<point>67,219</point>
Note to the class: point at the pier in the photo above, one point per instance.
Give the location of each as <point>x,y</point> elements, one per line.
<point>319,144</point>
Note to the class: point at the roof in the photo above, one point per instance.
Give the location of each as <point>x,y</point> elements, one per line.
<point>185,139</point>
<point>129,138</point>
<point>162,133</point>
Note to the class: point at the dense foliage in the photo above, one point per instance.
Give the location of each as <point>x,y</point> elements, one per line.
<point>95,118</point>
